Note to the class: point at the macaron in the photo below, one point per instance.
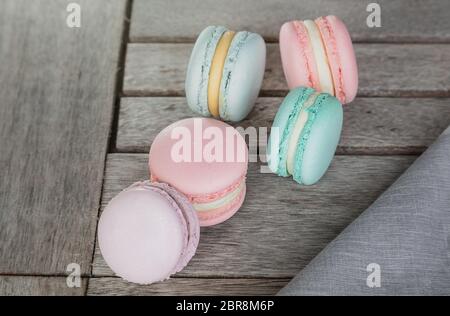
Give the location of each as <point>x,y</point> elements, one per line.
<point>148,232</point>
<point>206,160</point>
<point>304,135</point>
<point>319,54</point>
<point>225,73</point>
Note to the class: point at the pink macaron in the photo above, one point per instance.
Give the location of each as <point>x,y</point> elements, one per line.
<point>206,160</point>
<point>319,54</point>
<point>148,232</point>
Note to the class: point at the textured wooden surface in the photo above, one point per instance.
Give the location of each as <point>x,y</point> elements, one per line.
<point>371,125</point>
<point>402,20</point>
<point>38,286</point>
<point>187,286</point>
<point>384,70</point>
<point>281,226</point>
<point>57,92</point>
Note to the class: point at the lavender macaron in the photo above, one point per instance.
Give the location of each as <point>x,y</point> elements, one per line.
<point>148,232</point>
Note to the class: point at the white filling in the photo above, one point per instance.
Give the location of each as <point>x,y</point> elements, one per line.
<point>325,79</point>
<point>296,132</point>
<point>220,202</point>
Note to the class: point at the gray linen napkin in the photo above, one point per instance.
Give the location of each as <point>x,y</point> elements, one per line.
<point>398,246</point>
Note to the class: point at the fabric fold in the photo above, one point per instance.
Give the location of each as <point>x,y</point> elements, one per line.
<point>399,245</point>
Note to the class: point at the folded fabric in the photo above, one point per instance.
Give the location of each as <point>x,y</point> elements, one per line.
<point>398,246</point>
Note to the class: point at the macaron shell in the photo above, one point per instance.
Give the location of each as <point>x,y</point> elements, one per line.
<point>346,54</point>
<point>197,179</point>
<point>142,236</point>
<point>321,141</point>
<point>197,74</point>
<point>242,76</point>
<point>191,219</point>
<point>297,57</point>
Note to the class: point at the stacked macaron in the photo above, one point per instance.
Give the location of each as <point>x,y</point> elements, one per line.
<point>210,171</point>
<point>225,73</point>
<point>198,169</point>
<point>319,54</point>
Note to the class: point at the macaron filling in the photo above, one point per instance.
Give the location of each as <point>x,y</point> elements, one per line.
<point>320,55</point>
<point>286,133</point>
<point>216,71</point>
<point>202,94</point>
<point>221,202</point>
<point>297,131</point>
<point>304,136</point>
<point>221,214</point>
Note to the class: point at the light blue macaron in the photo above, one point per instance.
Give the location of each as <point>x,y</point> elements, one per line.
<point>242,73</point>
<point>317,118</point>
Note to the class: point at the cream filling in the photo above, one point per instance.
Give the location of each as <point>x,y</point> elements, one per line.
<point>201,207</point>
<point>215,73</point>
<point>325,78</point>
<point>297,131</point>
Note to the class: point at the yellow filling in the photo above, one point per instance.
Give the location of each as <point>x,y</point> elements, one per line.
<point>215,73</point>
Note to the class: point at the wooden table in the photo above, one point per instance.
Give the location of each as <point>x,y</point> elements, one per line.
<point>79,108</point>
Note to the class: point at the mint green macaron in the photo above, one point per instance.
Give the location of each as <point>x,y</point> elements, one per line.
<point>304,135</point>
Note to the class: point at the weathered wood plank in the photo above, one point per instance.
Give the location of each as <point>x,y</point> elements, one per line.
<point>57,92</point>
<point>371,125</point>
<point>384,70</point>
<point>282,225</point>
<point>37,286</point>
<point>402,20</point>
<point>187,286</point>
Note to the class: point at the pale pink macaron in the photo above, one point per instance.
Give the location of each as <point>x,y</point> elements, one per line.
<point>319,54</point>
<point>148,232</point>
<point>206,160</point>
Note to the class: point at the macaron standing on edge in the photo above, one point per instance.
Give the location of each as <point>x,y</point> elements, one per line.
<point>304,135</point>
<point>319,54</point>
<point>214,184</point>
<point>148,232</point>
<point>225,73</point>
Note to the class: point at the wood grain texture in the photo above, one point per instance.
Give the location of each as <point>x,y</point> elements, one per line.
<point>402,20</point>
<point>282,225</point>
<point>384,70</point>
<point>37,286</point>
<point>57,91</point>
<point>371,125</point>
<point>187,286</point>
